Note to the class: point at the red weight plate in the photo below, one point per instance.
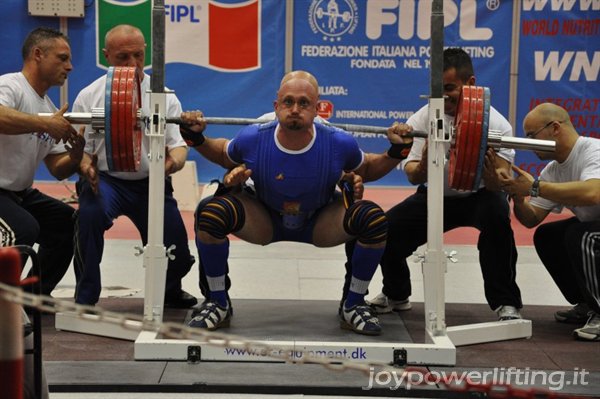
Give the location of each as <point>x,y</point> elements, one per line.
<point>476,138</point>
<point>122,116</point>
<point>462,135</point>
<point>472,150</point>
<point>129,120</point>
<point>136,103</point>
<point>469,143</point>
<point>466,148</point>
<point>458,125</point>
<point>107,118</point>
<point>114,119</point>
<point>464,144</point>
<point>484,135</point>
<point>125,132</point>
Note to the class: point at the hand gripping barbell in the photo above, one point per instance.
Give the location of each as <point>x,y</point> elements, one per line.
<point>121,120</point>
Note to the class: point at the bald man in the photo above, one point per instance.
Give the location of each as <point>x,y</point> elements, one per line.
<point>126,193</point>
<point>569,249</point>
<point>295,164</point>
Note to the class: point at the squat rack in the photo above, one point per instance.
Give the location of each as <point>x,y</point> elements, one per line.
<point>440,341</point>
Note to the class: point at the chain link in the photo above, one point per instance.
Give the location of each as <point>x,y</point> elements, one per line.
<point>287,354</point>
<point>178,331</point>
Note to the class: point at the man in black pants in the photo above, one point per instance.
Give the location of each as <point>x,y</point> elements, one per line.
<point>486,209</point>
<point>28,216</point>
<point>570,248</point>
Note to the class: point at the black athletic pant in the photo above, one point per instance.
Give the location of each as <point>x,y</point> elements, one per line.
<point>484,210</point>
<point>570,251</point>
<point>28,217</point>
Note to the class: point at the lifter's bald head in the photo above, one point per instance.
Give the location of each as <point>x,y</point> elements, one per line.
<point>297,98</point>
<point>300,75</point>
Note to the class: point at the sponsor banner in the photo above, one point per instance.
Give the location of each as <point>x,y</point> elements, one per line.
<point>371,57</point>
<point>559,62</point>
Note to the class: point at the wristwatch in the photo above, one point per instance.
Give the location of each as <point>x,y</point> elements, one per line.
<point>535,188</point>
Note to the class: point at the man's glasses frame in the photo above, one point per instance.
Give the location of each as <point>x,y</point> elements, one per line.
<point>532,135</point>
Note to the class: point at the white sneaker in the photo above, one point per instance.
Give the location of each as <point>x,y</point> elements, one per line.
<point>591,330</point>
<point>507,312</point>
<point>382,304</point>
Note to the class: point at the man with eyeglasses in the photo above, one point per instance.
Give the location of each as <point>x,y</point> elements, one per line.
<point>570,248</point>
<point>533,135</point>
<point>295,164</point>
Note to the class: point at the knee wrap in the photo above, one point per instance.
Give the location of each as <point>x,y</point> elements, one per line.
<point>221,216</point>
<point>367,221</point>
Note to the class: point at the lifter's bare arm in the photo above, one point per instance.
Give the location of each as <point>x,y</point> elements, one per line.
<point>215,150</point>
<point>375,166</point>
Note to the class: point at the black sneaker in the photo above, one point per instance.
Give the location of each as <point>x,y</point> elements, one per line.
<point>180,300</point>
<point>211,316</point>
<point>578,314</point>
<point>360,319</point>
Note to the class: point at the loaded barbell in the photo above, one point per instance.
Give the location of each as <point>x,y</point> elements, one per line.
<point>121,120</point>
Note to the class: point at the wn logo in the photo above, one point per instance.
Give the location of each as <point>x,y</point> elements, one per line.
<point>556,65</point>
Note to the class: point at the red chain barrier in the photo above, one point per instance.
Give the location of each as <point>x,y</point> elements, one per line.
<point>11,329</point>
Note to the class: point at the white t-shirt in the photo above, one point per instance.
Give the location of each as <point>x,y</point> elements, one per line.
<point>582,164</point>
<point>21,154</point>
<point>420,121</point>
<point>93,97</point>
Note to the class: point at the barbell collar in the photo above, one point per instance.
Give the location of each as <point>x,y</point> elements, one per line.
<point>97,121</point>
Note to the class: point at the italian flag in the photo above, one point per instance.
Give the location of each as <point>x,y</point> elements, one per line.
<point>219,36</point>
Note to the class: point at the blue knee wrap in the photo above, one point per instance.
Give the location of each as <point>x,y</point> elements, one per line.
<point>220,216</point>
<point>367,221</point>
